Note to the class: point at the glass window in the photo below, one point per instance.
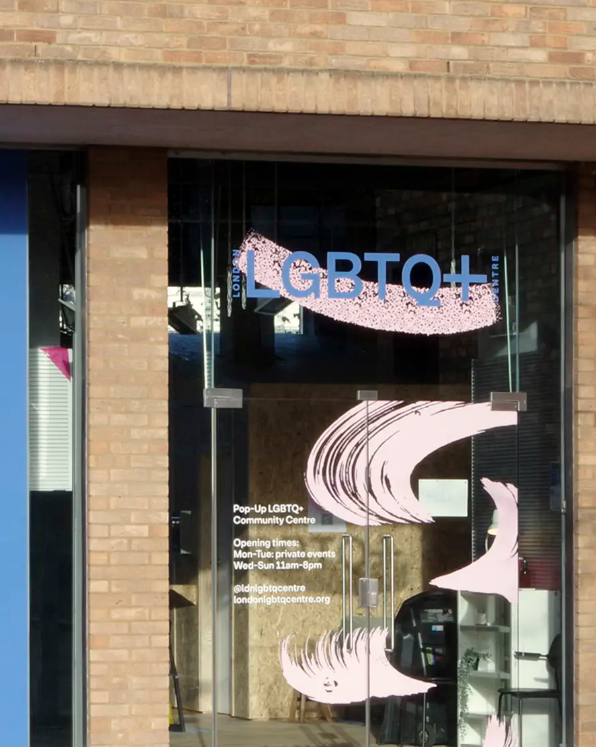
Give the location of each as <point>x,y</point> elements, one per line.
<point>52,241</point>
<point>368,525</point>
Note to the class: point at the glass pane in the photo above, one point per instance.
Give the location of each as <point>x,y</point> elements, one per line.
<point>293,639</point>
<point>412,464</point>
<point>52,385</point>
<point>537,614</point>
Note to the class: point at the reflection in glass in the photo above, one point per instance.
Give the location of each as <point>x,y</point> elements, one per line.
<point>431,518</point>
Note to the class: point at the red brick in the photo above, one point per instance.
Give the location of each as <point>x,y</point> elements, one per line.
<point>467,38</point>
<point>567,28</point>
<point>429,36</point>
<point>428,66</point>
<point>510,11</point>
<point>35,36</point>
<point>558,14</point>
<point>178,56</point>
<point>390,6</point>
<point>567,58</point>
<point>548,41</point>
<point>38,6</point>
<point>582,73</point>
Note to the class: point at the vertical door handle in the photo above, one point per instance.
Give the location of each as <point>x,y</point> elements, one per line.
<point>389,568</point>
<point>347,594</point>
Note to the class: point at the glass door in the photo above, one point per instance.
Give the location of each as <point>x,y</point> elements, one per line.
<point>346,611</point>
<point>301,631</point>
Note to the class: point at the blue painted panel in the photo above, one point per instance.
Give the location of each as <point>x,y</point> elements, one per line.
<point>14,495</point>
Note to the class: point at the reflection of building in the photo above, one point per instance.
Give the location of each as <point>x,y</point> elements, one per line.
<point>343,126</point>
<point>294,388</point>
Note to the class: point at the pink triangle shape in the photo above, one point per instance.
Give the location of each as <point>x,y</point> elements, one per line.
<point>59,357</point>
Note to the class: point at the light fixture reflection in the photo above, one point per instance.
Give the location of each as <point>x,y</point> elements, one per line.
<point>494,527</point>
<point>492,531</point>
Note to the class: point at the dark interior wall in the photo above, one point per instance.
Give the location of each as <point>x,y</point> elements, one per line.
<point>51,623</point>
<point>44,261</point>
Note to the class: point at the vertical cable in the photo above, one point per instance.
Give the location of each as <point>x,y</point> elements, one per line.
<point>243,292</point>
<point>181,257</point>
<point>214,522</point>
<point>213,276</point>
<point>230,273</point>
<point>243,199</point>
<point>507,315</point>
<point>368,724</point>
<point>275,202</point>
<point>517,290</point>
<point>453,265</point>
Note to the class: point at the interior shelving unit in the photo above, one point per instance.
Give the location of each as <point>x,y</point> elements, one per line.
<point>488,624</point>
<point>485,627</point>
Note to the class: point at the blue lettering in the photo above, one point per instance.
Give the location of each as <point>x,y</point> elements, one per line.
<point>251,289</point>
<point>381,259</point>
<point>423,298</point>
<point>315,280</point>
<point>334,274</point>
<point>464,278</point>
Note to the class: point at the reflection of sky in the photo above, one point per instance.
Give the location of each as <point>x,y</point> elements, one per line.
<point>196,296</point>
<point>287,321</point>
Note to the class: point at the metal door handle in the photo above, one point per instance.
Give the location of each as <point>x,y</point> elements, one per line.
<point>389,555</point>
<point>347,603</point>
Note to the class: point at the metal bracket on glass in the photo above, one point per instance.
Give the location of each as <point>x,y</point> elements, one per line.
<point>509,401</point>
<point>389,565</point>
<point>368,593</point>
<point>187,532</point>
<point>224,399</point>
<point>367,395</point>
<point>182,533</point>
<point>347,602</point>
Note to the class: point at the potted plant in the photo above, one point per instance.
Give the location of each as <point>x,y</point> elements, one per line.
<point>465,666</point>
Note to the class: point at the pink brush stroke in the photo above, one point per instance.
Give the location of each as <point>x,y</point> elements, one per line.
<point>398,312</point>
<point>496,572</point>
<point>399,437</point>
<point>59,357</point>
<point>336,671</point>
<point>498,734</point>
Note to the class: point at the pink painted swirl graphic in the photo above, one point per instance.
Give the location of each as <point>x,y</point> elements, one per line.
<point>335,672</point>
<point>385,440</point>
<point>398,312</point>
<point>496,572</point>
<point>499,734</point>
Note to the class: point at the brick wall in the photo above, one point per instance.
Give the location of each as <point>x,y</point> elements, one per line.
<point>585,459</point>
<point>517,39</point>
<point>128,448</point>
